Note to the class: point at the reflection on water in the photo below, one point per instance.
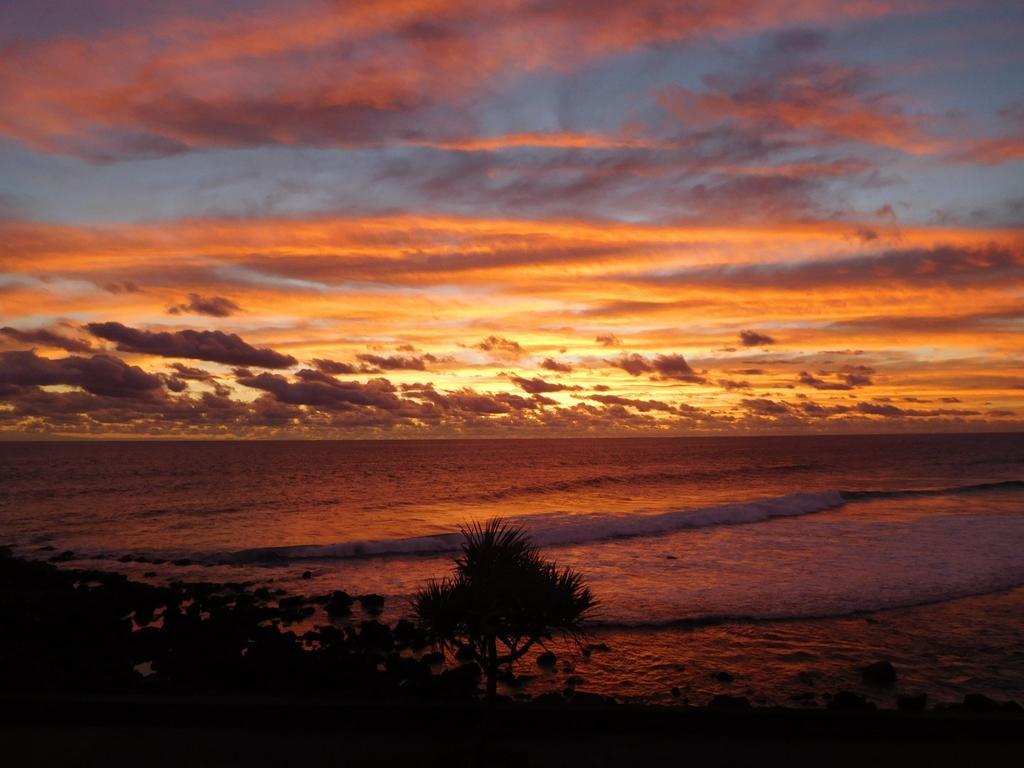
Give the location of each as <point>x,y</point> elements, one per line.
<point>946,650</point>
<point>206,502</point>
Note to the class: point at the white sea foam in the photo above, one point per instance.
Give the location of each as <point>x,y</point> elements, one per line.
<point>561,528</point>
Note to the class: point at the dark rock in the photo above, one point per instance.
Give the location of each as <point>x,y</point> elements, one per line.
<point>338,610</point>
<point>371,603</point>
<point>587,699</point>
<point>848,701</point>
<point>339,605</point>
<point>548,700</point>
<point>331,637</point>
<point>373,634</point>
<point>412,672</point>
<point>725,701</point>
<point>509,678</point>
<point>201,590</point>
<point>908,703</point>
<point>461,681</point>
<point>547,660</point>
<point>724,677</point>
<point>406,634</point>
<point>307,575</point>
<point>880,673</point>
<point>144,615</point>
<point>979,702</point>
<point>807,677</point>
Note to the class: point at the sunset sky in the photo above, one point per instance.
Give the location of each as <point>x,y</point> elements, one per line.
<point>516,218</point>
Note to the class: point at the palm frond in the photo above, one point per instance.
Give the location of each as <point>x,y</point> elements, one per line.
<point>502,587</point>
<point>440,610</point>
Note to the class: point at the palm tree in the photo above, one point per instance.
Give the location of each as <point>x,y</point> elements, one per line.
<point>502,592</point>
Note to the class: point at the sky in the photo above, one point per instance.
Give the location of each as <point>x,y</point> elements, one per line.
<point>443,218</point>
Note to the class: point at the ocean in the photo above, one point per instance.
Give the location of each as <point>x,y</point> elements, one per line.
<point>785,562</point>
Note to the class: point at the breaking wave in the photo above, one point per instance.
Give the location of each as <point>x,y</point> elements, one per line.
<point>555,529</point>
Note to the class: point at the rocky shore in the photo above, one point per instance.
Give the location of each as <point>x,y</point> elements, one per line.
<point>75,631</point>
<point>94,656</point>
<point>87,631</point>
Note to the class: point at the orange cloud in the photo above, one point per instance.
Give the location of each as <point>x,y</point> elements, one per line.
<point>931,312</point>
<point>329,74</point>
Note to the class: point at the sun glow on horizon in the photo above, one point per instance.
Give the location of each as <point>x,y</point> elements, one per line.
<point>422,219</point>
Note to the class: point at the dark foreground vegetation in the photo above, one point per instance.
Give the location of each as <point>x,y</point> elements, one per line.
<point>96,669</point>
<point>98,632</point>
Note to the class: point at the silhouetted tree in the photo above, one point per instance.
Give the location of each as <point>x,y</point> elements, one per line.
<point>502,592</point>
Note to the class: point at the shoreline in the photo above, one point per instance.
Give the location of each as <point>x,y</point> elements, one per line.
<point>363,692</point>
<point>64,614</point>
<point>138,568</point>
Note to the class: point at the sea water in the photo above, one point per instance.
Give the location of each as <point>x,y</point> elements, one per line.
<point>703,552</point>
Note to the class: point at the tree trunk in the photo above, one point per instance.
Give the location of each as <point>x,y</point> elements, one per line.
<point>492,671</point>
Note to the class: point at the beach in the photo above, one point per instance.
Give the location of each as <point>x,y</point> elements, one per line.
<point>100,668</point>
<point>511,383</point>
<point>787,575</point>
<point>849,601</point>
